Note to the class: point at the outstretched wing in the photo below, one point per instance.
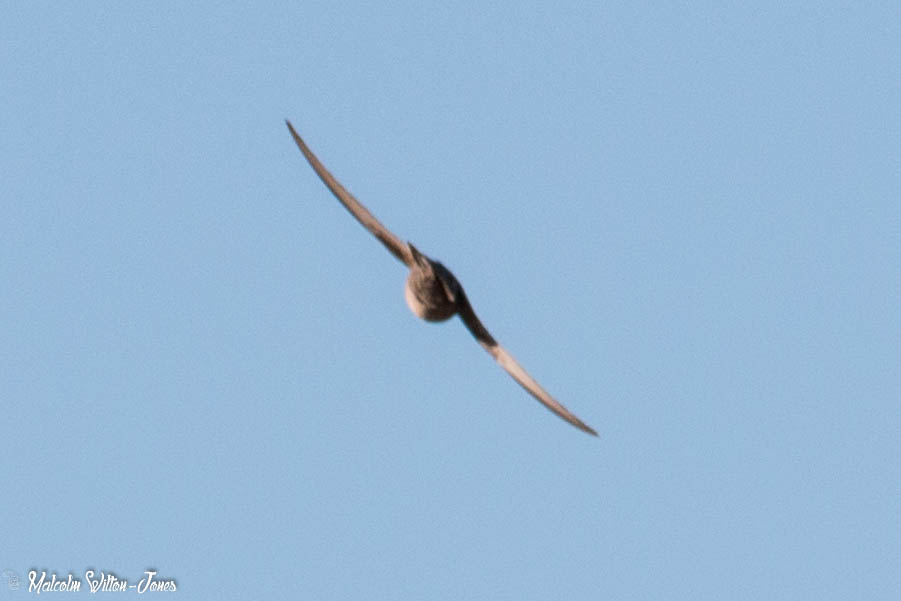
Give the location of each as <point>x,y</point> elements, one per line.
<point>510,364</point>
<point>397,247</point>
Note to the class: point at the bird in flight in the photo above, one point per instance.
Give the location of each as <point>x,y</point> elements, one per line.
<point>432,292</point>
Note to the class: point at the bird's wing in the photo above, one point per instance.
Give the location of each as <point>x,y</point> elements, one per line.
<point>397,247</point>
<point>510,364</point>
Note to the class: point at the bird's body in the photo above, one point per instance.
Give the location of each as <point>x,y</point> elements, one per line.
<point>432,292</point>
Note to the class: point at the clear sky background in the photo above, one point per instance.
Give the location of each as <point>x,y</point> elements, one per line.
<point>683,220</point>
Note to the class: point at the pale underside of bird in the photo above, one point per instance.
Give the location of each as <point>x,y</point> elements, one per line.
<point>432,292</point>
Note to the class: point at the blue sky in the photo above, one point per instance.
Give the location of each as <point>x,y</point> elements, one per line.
<point>684,220</point>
